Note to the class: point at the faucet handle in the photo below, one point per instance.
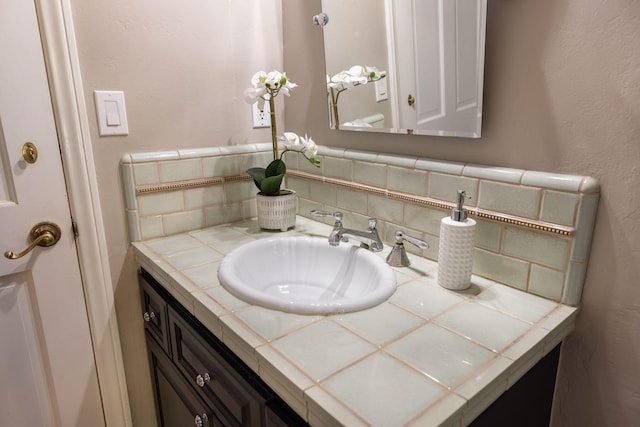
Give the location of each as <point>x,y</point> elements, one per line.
<point>372,224</point>
<point>401,236</point>
<point>398,255</point>
<point>317,212</point>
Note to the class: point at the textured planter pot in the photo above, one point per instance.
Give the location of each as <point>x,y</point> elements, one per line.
<point>276,212</point>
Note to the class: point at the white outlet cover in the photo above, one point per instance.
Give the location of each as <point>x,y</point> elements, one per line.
<point>260,118</point>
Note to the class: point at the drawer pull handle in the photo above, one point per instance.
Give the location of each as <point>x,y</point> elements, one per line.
<point>148,316</point>
<point>200,420</point>
<point>201,380</point>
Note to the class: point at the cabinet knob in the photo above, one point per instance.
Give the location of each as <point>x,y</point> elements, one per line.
<point>147,316</point>
<point>200,420</point>
<point>201,380</point>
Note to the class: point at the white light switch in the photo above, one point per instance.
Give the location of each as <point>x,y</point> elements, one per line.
<point>381,90</point>
<point>112,114</point>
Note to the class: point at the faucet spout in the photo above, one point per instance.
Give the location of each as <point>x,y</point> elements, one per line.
<point>371,241</point>
<point>369,237</point>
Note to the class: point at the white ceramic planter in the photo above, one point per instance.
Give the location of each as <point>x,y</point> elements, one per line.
<point>276,212</point>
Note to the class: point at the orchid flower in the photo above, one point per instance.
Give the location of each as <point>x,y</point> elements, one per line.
<point>374,74</point>
<point>356,75</point>
<point>264,86</point>
<point>311,148</point>
<point>303,145</point>
<point>290,139</point>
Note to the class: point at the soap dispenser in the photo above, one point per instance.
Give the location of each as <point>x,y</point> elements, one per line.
<point>455,254</point>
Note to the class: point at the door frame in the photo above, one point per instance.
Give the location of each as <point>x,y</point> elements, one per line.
<point>70,112</point>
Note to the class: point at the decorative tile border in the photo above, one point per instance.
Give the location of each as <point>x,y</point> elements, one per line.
<point>192,183</point>
<point>417,200</point>
<point>439,204</point>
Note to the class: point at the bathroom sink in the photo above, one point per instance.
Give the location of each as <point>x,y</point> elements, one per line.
<point>306,275</point>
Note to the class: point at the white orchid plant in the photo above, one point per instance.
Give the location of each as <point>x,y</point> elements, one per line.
<point>264,88</point>
<point>355,76</point>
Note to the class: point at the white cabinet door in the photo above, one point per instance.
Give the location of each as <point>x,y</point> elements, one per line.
<point>439,48</point>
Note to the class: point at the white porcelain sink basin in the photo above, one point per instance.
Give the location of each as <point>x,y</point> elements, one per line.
<point>306,275</point>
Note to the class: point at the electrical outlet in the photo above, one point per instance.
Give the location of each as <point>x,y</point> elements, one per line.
<point>261,118</point>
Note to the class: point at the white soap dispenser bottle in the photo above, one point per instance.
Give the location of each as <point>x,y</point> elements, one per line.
<point>455,254</point>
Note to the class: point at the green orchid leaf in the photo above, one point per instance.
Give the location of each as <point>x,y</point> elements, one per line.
<point>258,175</point>
<point>276,167</point>
<point>270,186</point>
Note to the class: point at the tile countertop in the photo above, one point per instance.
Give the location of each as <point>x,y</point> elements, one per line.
<point>427,356</point>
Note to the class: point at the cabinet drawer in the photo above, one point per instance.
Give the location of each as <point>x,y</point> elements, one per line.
<point>154,309</point>
<point>178,404</point>
<point>239,403</point>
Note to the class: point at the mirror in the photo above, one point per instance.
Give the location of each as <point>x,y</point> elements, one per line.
<point>405,66</point>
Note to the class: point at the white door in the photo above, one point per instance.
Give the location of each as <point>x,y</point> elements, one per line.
<point>47,368</point>
<point>440,59</point>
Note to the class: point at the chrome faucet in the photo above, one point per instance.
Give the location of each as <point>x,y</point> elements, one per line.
<point>398,255</point>
<point>369,238</point>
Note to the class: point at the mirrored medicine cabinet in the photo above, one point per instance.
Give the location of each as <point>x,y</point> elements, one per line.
<point>428,63</point>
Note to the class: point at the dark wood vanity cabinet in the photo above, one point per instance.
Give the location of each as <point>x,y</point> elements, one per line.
<point>177,403</point>
<point>197,380</point>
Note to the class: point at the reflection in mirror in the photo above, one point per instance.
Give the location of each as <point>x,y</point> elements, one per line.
<point>428,57</point>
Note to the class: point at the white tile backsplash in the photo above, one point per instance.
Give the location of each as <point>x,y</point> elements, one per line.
<point>552,180</point>
<point>160,203</point>
<point>445,187</point>
<point>180,170</point>
<point>370,173</point>
<point>546,250</point>
<point>339,168</point>
<point>546,282</point>
<point>512,176</point>
<point>407,180</point>
<point>559,207</point>
<point>510,199</point>
<point>145,173</point>
<point>543,263</point>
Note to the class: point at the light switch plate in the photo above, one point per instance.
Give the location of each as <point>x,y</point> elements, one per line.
<point>111,111</point>
<point>381,90</point>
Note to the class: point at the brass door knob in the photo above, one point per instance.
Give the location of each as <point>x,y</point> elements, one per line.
<point>29,152</point>
<point>411,100</point>
<point>43,234</point>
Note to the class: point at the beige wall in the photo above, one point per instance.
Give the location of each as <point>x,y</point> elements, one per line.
<point>183,66</point>
<point>562,94</point>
